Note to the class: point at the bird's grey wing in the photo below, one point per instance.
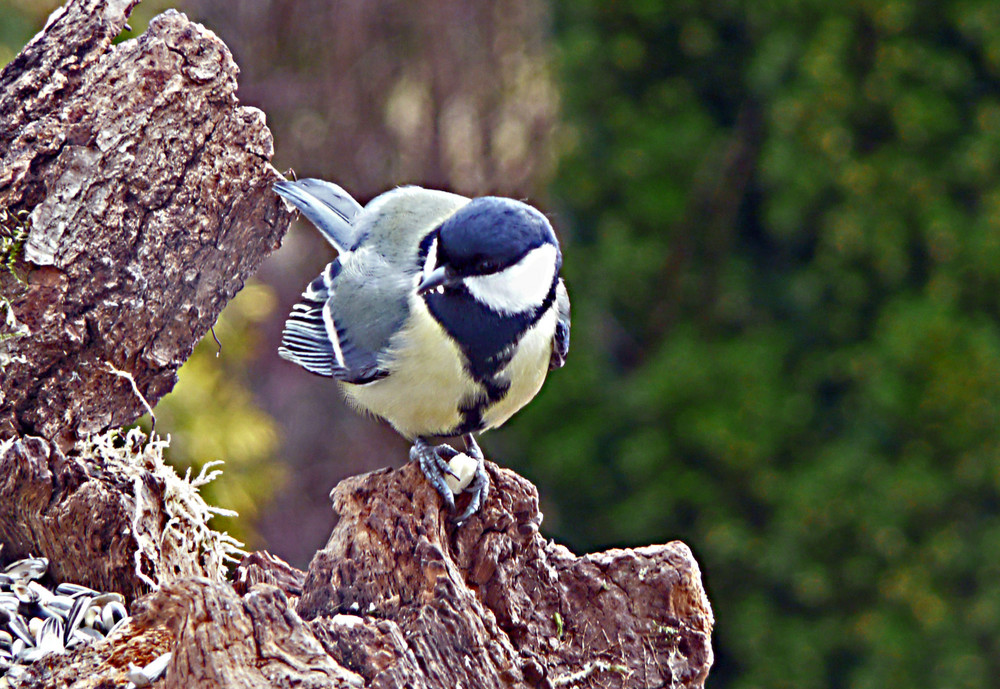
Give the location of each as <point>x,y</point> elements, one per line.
<point>330,208</point>
<point>317,338</point>
<point>344,325</point>
<point>371,303</point>
<point>560,343</point>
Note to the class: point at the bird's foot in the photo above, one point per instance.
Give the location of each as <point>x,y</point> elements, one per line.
<point>433,462</point>
<point>480,485</point>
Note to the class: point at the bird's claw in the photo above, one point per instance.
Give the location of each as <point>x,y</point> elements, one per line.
<point>480,485</point>
<point>434,467</point>
<point>444,454</point>
<point>433,461</point>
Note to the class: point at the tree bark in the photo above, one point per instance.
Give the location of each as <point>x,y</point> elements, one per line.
<point>143,188</point>
<point>148,188</point>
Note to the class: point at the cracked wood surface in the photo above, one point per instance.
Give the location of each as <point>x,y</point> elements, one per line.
<point>149,192</point>
<point>401,598</point>
<point>493,603</point>
<point>79,516</point>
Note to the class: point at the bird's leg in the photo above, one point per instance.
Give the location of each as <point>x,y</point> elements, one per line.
<point>432,462</point>
<point>480,486</point>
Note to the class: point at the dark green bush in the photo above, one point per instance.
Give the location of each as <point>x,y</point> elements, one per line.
<point>783,246</point>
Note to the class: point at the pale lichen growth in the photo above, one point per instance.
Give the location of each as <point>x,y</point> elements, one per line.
<point>11,329</point>
<point>588,670</point>
<point>135,389</point>
<point>185,545</point>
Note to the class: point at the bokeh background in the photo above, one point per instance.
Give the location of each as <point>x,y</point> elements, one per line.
<point>781,224</point>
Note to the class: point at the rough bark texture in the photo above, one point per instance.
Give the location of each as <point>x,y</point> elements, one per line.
<point>400,597</point>
<point>492,603</point>
<point>148,188</point>
<point>72,512</point>
<point>148,192</point>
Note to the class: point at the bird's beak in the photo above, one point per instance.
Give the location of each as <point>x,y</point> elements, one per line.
<point>437,278</point>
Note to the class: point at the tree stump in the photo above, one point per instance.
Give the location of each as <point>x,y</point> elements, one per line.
<point>135,192</point>
<point>148,188</point>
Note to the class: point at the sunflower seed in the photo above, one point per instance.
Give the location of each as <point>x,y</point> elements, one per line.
<point>19,628</point>
<point>118,625</point>
<point>24,593</point>
<point>74,590</point>
<point>28,568</point>
<point>136,678</point>
<point>152,671</point>
<point>44,595</point>
<point>87,634</point>
<point>30,655</point>
<point>155,668</point>
<point>36,621</point>
<point>9,601</point>
<point>50,637</point>
<point>45,612</point>
<point>112,614</point>
<point>91,616</point>
<point>74,617</point>
<point>59,606</point>
<point>105,598</point>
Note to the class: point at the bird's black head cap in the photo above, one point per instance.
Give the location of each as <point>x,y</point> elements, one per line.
<point>491,233</point>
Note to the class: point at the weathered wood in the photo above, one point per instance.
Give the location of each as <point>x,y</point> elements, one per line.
<point>143,188</point>
<point>148,187</point>
<point>111,515</point>
<point>400,597</point>
<point>493,603</point>
<point>72,513</point>
<point>262,567</point>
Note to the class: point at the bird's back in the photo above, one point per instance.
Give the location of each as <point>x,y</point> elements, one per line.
<point>370,298</point>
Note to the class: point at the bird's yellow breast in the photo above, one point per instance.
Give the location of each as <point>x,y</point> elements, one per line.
<point>428,381</point>
<point>427,377</point>
<point>526,371</point>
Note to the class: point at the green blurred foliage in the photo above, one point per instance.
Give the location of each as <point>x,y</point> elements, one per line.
<point>18,23</point>
<point>782,226</point>
<point>22,19</point>
<point>211,415</point>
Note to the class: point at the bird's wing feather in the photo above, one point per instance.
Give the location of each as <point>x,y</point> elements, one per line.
<point>560,343</point>
<point>345,323</point>
<point>315,340</point>
<point>330,208</point>
<point>371,302</point>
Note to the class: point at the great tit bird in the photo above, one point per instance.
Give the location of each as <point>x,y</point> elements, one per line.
<point>441,314</point>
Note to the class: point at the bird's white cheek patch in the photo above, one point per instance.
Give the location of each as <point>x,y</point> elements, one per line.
<point>521,287</point>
